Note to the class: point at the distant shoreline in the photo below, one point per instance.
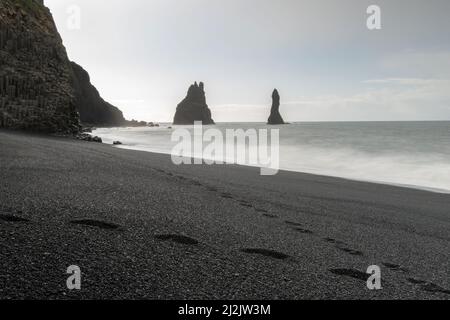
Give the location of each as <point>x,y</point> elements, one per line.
<point>291,122</point>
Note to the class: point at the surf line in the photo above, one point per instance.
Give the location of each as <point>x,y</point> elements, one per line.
<point>237,146</point>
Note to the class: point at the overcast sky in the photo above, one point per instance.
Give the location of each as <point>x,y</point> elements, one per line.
<point>143,54</point>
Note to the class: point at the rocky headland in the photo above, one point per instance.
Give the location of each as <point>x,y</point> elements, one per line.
<point>40,89</point>
<point>91,106</point>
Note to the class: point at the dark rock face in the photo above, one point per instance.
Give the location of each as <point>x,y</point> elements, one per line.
<point>135,123</point>
<point>193,107</point>
<point>36,90</point>
<point>88,137</point>
<point>275,116</point>
<point>40,89</point>
<point>92,108</point>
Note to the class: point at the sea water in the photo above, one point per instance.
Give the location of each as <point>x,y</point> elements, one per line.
<point>412,154</point>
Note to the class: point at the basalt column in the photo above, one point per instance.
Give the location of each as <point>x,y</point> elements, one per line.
<point>36,90</point>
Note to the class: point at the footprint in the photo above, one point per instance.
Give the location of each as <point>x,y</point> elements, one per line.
<point>246,204</point>
<point>271,216</point>
<point>261,210</point>
<point>266,253</point>
<point>331,240</point>
<point>296,224</point>
<point>96,223</point>
<point>353,273</point>
<point>11,218</point>
<point>226,196</point>
<point>428,286</point>
<point>177,238</point>
<point>416,281</point>
<point>431,287</point>
<point>350,251</point>
<point>343,247</point>
<point>395,267</point>
<point>305,231</point>
<point>212,189</point>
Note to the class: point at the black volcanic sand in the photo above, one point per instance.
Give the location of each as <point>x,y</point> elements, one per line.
<point>140,227</point>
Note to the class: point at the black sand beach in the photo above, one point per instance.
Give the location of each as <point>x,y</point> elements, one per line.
<point>140,227</point>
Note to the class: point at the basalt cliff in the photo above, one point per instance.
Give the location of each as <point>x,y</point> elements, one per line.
<point>193,107</point>
<point>40,89</point>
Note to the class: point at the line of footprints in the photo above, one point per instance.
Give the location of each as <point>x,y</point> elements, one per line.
<point>295,226</point>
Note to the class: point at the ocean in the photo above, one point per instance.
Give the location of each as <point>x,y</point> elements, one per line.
<point>410,154</point>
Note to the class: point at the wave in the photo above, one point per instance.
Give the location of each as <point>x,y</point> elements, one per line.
<point>339,153</point>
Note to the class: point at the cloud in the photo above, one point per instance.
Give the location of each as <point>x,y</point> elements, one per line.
<point>401,81</point>
<point>383,100</point>
<point>427,64</point>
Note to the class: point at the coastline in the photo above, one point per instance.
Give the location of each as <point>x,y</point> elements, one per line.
<point>190,232</point>
<point>403,169</point>
<point>414,187</point>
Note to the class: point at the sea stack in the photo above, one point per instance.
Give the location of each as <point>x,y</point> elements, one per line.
<point>193,107</point>
<point>275,116</point>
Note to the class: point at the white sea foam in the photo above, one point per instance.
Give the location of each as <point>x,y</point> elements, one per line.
<point>412,154</point>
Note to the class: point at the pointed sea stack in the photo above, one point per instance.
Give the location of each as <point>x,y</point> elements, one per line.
<point>275,116</point>
<point>193,107</point>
